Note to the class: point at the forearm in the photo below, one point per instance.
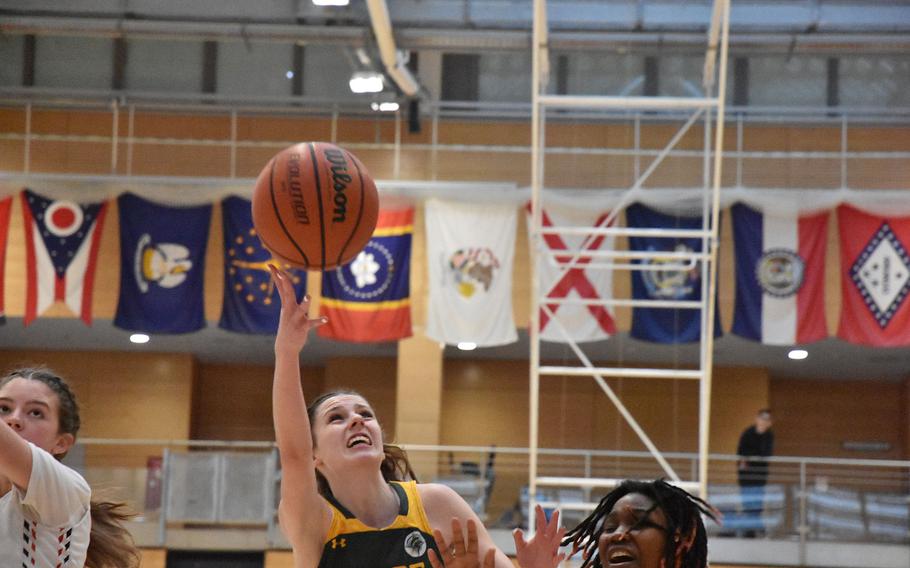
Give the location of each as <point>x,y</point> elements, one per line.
<point>15,457</point>
<point>292,426</point>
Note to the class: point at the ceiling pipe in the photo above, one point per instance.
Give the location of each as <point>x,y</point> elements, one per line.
<point>394,61</point>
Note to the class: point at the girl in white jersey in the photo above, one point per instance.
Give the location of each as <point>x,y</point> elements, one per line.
<point>47,518</point>
<point>345,498</point>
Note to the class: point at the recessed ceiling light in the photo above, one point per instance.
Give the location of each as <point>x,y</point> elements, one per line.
<point>139,338</point>
<point>331,2</point>
<point>467,345</point>
<point>798,354</point>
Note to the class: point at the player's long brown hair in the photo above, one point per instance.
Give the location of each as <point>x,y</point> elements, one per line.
<point>395,465</point>
<point>110,543</point>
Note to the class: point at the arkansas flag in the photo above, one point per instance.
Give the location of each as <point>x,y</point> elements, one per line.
<point>5,207</point>
<point>470,251</point>
<point>780,276</point>
<point>581,322</point>
<point>368,299</point>
<point>875,278</point>
<point>61,253</point>
<point>250,303</point>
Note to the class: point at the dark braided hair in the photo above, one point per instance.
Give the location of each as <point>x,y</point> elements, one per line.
<point>682,510</point>
<point>395,465</point>
<point>110,543</point>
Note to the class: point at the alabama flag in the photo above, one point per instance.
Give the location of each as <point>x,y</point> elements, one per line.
<point>470,250</point>
<point>780,276</point>
<point>875,278</point>
<point>560,279</point>
<point>61,244</point>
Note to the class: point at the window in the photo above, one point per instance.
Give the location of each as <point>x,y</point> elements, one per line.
<point>779,81</point>
<point>504,77</point>
<point>875,81</point>
<point>11,53</point>
<point>612,74</point>
<point>73,62</point>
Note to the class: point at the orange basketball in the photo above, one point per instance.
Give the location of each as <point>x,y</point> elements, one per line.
<point>315,205</point>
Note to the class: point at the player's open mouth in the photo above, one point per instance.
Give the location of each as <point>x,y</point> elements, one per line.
<point>359,439</point>
<point>620,557</point>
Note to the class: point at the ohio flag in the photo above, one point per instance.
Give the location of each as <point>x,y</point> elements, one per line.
<point>780,276</point>
<point>5,207</point>
<point>368,299</point>
<point>875,278</point>
<point>250,303</point>
<point>61,253</point>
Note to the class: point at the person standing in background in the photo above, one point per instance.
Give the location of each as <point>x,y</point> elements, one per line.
<point>755,443</point>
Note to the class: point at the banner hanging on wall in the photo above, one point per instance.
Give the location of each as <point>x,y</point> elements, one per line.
<point>470,252</point>
<point>162,264</point>
<point>61,253</point>
<point>6,206</point>
<point>875,278</point>
<point>250,303</point>
<point>368,299</point>
<point>780,276</point>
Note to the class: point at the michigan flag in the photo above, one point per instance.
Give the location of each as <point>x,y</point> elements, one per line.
<point>61,253</point>
<point>368,299</point>
<point>5,207</point>
<point>470,250</point>
<point>250,303</point>
<point>666,279</point>
<point>875,278</point>
<point>780,276</point>
<point>162,260</point>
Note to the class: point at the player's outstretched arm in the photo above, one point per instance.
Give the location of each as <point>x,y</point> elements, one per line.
<point>15,455</point>
<point>300,497</point>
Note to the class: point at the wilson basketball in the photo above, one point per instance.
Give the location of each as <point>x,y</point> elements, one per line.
<point>315,205</point>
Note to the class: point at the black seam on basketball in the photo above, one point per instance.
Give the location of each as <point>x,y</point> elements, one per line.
<point>319,199</point>
<point>359,211</point>
<point>277,212</point>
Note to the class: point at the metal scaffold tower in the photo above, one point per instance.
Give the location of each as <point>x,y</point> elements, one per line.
<point>710,110</point>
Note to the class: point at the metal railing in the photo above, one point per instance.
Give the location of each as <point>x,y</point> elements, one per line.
<point>173,485</point>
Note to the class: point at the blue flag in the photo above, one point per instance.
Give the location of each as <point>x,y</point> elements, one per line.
<point>666,325</point>
<point>251,303</point>
<point>162,263</point>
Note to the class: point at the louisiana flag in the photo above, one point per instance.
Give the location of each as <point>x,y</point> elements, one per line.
<point>251,303</point>
<point>780,276</point>
<point>162,260</point>
<point>61,253</point>
<point>666,325</point>
<point>5,207</point>
<point>368,299</point>
<point>875,278</point>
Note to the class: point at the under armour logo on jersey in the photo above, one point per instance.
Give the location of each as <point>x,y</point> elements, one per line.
<point>339,543</point>
<point>415,545</point>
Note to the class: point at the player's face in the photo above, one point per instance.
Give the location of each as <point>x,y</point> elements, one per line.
<point>345,428</point>
<point>32,410</point>
<point>634,534</point>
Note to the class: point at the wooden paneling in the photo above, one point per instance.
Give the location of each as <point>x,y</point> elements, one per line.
<point>153,558</point>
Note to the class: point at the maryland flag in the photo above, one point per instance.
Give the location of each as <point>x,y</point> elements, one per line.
<point>368,299</point>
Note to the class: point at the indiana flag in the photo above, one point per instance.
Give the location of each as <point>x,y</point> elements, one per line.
<point>368,299</point>
<point>581,322</point>
<point>470,251</point>
<point>61,254</point>
<point>162,260</point>
<point>875,278</point>
<point>250,303</point>
<point>666,279</point>
<point>5,208</point>
<point>780,276</point>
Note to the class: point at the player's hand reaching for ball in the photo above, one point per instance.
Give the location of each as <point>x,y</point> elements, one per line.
<point>295,323</point>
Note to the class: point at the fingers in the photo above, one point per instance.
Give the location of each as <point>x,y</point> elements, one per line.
<point>519,536</point>
<point>440,541</point>
<point>472,538</point>
<point>489,559</point>
<point>458,546</point>
<point>435,562</point>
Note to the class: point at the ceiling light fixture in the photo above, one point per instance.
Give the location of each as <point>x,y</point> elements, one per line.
<point>366,82</point>
<point>798,354</point>
<point>467,345</point>
<point>139,338</point>
<point>384,107</point>
<point>331,2</point>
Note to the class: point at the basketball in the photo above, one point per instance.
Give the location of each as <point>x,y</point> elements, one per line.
<point>315,205</point>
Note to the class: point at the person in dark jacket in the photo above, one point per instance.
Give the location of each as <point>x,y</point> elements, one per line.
<point>755,443</point>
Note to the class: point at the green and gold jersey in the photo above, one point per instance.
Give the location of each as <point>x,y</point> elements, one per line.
<point>402,544</point>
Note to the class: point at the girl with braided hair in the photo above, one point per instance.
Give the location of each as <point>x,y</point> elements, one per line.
<point>644,524</point>
<point>47,516</point>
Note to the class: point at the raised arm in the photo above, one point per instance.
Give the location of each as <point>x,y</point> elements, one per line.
<point>15,455</point>
<point>304,515</point>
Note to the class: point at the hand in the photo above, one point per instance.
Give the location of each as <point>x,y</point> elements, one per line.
<point>542,551</point>
<point>294,324</point>
<point>457,556</point>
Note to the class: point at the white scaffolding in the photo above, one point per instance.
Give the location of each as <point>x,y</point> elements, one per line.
<point>708,108</point>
